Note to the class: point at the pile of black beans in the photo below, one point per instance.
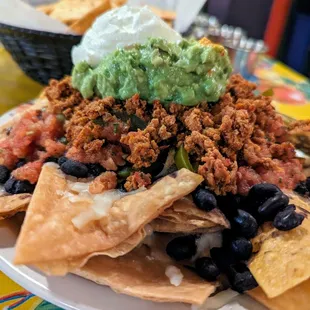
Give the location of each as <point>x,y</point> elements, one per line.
<point>265,202</point>
<point>68,166</point>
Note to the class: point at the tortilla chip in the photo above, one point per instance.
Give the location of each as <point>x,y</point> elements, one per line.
<point>164,14</point>
<point>62,267</point>
<point>85,22</point>
<point>295,298</point>
<point>12,204</point>
<point>46,8</point>
<point>117,3</point>
<point>70,11</point>
<point>138,275</point>
<point>184,216</point>
<point>283,260</point>
<point>49,235</point>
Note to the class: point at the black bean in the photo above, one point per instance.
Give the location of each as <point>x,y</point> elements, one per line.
<point>95,169</point>
<point>74,168</point>
<point>259,193</point>
<point>308,183</point>
<point>288,219</point>
<point>241,278</point>
<point>245,224</point>
<point>61,160</point>
<point>21,162</point>
<point>241,248</point>
<point>207,269</point>
<point>302,188</point>
<point>158,165</point>
<point>229,204</point>
<point>181,248</point>
<point>272,206</point>
<point>4,174</point>
<point>121,186</point>
<point>14,186</point>
<point>51,159</point>
<point>204,199</point>
<point>63,140</point>
<point>222,257</point>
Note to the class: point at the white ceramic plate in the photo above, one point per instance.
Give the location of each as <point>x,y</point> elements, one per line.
<point>74,293</point>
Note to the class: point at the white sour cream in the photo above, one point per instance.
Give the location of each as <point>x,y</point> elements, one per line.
<point>119,28</point>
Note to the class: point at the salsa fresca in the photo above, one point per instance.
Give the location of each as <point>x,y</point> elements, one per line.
<point>233,143</point>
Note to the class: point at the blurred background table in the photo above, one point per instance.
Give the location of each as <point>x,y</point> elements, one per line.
<point>15,86</point>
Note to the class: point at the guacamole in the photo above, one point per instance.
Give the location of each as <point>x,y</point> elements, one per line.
<point>187,72</point>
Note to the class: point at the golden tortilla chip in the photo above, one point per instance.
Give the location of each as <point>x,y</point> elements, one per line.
<point>117,3</point>
<point>184,216</point>
<point>70,11</point>
<point>137,274</point>
<point>85,22</point>
<point>12,204</point>
<point>48,233</point>
<point>283,260</point>
<point>296,298</point>
<point>62,267</point>
<point>46,8</point>
<point>164,14</point>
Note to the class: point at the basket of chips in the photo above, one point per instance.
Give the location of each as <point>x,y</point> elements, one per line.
<point>41,55</point>
<point>41,52</point>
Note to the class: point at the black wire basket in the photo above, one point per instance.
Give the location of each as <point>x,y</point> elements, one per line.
<point>41,55</point>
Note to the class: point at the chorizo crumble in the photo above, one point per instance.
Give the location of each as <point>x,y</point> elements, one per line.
<point>234,143</point>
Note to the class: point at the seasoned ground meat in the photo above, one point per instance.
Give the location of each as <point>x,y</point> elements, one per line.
<point>219,172</point>
<point>235,143</point>
<point>104,182</point>
<point>136,106</point>
<point>62,96</point>
<point>143,150</point>
<point>197,120</point>
<point>137,180</point>
<point>241,88</point>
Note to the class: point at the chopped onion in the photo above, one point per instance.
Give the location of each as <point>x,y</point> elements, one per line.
<point>206,242</point>
<point>84,218</point>
<point>78,186</point>
<point>174,274</point>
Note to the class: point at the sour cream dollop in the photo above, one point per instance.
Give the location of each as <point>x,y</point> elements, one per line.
<point>119,28</point>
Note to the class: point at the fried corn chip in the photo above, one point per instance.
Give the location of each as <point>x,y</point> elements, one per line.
<point>70,11</point>
<point>85,22</point>
<point>117,3</point>
<point>164,14</point>
<point>296,298</point>
<point>283,260</point>
<point>62,267</point>
<point>46,8</point>
<point>10,205</point>
<point>184,216</point>
<point>138,275</point>
<point>48,233</point>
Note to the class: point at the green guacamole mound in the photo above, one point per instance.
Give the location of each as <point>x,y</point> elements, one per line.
<point>186,73</point>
